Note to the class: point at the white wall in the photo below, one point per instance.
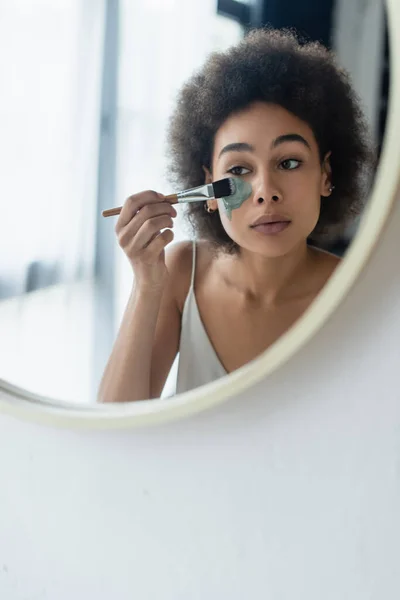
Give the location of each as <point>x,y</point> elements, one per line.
<point>290,491</point>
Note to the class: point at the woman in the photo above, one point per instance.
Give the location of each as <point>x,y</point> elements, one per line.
<point>282,115</point>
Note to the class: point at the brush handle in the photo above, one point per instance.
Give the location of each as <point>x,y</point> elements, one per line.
<point>111,212</point>
<point>172,199</point>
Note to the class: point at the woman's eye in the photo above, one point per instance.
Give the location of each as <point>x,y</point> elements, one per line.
<point>238,170</point>
<point>290,164</point>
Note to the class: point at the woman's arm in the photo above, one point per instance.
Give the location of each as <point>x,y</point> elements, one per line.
<point>148,338</point>
<point>167,334</point>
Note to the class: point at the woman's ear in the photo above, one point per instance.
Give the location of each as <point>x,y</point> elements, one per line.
<point>326,180</point>
<point>207,174</point>
<point>211,204</point>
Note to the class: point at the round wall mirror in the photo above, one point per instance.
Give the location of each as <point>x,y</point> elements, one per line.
<point>113,321</point>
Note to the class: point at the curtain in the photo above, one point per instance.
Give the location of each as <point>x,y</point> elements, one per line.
<point>50,76</point>
<point>50,102</point>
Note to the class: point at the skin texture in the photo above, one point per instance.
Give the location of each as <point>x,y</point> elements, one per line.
<point>262,290</point>
<point>299,187</point>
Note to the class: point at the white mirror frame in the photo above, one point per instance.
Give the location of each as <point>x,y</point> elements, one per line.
<point>28,406</point>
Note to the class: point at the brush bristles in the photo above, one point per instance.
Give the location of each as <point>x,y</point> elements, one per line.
<point>224,187</point>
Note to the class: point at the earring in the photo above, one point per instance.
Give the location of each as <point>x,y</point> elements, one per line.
<point>331,188</point>
<point>209,210</point>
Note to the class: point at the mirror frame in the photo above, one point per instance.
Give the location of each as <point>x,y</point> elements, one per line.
<point>33,407</point>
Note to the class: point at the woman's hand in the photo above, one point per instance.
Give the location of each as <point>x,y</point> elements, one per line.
<point>138,229</point>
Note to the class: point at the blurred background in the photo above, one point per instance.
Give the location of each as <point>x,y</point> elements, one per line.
<point>87,90</point>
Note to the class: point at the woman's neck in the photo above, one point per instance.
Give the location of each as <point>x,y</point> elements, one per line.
<point>270,280</point>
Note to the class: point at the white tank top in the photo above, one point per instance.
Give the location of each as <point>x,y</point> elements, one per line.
<point>198,361</point>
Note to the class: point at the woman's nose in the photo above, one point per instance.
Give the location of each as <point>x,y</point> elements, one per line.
<point>265,190</point>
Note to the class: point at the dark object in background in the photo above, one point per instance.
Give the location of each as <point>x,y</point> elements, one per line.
<point>311,19</point>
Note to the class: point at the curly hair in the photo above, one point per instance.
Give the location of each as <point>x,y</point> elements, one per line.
<point>279,67</point>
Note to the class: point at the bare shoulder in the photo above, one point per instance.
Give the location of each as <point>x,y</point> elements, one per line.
<point>178,257</point>
<point>179,261</point>
<point>326,262</point>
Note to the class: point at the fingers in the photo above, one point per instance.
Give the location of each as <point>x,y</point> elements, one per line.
<point>149,230</point>
<point>151,252</point>
<point>143,227</point>
<point>158,243</point>
<point>148,213</point>
<point>138,202</point>
<point>143,231</point>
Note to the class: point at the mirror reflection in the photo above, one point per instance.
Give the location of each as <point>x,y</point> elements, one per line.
<point>166,296</point>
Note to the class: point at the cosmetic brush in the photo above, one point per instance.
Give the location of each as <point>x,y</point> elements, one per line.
<point>223,188</point>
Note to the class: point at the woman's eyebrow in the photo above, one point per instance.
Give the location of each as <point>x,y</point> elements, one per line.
<point>290,137</point>
<point>236,147</point>
<point>245,147</point>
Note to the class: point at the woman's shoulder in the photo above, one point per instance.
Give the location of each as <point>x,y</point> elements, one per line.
<point>179,255</point>
<point>326,258</point>
<point>326,263</point>
<point>179,261</point>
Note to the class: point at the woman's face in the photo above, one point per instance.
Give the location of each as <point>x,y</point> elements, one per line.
<point>277,153</point>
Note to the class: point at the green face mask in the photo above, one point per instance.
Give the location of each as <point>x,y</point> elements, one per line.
<point>243,191</point>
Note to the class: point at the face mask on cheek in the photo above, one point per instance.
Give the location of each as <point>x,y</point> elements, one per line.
<point>242,192</point>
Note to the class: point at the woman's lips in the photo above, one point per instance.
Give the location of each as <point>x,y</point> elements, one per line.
<point>271,228</point>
